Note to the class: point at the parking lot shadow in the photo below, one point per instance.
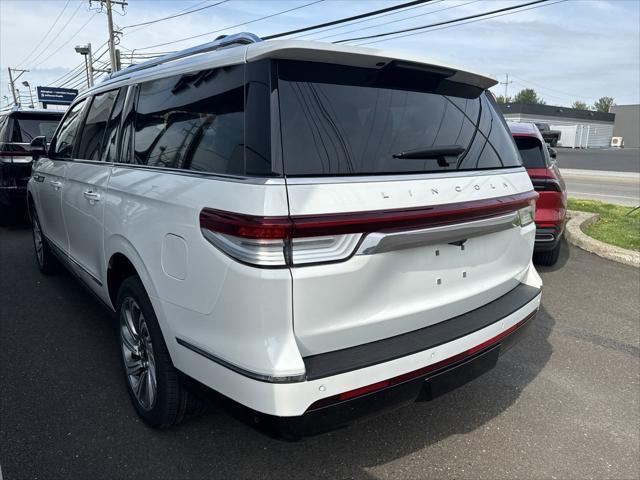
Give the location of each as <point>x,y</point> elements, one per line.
<point>65,412</point>
<point>562,259</point>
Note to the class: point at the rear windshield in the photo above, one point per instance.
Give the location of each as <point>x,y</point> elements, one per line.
<point>28,126</point>
<point>338,120</point>
<point>531,152</point>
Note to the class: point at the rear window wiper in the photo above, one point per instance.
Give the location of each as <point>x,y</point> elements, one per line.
<point>432,153</point>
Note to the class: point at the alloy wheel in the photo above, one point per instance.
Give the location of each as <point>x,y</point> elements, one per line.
<point>37,240</point>
<point>138,355</point>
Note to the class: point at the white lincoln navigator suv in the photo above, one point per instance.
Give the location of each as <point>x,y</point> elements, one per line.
<point>313,231</point>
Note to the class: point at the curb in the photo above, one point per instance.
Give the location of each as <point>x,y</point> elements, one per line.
<point>575,235</point>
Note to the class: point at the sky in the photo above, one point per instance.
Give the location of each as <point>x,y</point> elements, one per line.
<point>576,50</point>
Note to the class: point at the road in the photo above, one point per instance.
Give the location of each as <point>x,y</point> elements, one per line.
<point>608,175</point>
<point>609,159</point>
<point>622,188</point>
<point>562,403</point>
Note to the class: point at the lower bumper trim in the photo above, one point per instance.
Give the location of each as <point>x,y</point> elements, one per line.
<point>427,386</point>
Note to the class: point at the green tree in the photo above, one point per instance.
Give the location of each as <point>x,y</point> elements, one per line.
<point>528,95</point>
<point>603,104</point>
<point>579,105</point>
<point>503,99</point>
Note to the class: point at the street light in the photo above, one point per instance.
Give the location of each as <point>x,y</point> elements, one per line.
<point>85,51</point>
<point>26,84</point>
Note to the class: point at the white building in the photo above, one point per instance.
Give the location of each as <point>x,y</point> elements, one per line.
<point>580,128</point>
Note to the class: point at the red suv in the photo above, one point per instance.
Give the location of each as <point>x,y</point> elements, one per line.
<point>551,207</point>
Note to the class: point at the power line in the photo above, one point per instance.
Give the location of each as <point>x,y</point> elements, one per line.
<point>81,72</point>
<point>43,51</point>
<point>569,95</point>
<point>175,15</point>
<point>348,19</point>
<point>77,68</point>
<point>69,40</point>
<point>46,34</point>
<point>445,22</point>
<point>464,23</point>
<point>234,26</point>
<point>366,19</point>
<point>398,20</point>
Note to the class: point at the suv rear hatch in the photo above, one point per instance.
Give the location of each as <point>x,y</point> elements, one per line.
<point>408,201</point>
<point>17,131</point>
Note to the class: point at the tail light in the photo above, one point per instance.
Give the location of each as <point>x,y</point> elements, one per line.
<point>310,239</point>
<point>545,181</point>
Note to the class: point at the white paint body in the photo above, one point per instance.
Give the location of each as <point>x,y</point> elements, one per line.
<point>266,320</point>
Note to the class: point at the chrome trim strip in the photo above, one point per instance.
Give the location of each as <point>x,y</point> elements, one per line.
<point>545,237</point>
<point>246,373</point>
<point>192,173</point>
<point>378,242</point>
<point>401,177</point>
<point>307,180</point>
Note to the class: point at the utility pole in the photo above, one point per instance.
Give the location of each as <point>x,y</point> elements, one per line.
<point>506,86</point>
<point>12,83</point>
<point>112,45</point>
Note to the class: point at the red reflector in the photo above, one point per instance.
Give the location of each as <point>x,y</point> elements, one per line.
<point>257,227</point>
<point>361,391</point>
<point>421,371</point>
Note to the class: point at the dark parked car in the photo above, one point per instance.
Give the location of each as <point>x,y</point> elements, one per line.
<point>551,207</point>
<point>17,128</point>
<point>550,136</point>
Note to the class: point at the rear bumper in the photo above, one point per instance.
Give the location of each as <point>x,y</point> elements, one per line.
<point>424,387</point>
<point>346,386</point>
<point>547,238</point>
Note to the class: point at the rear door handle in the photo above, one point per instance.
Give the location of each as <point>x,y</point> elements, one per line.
<point>91,196</point>
<point>55,184</point>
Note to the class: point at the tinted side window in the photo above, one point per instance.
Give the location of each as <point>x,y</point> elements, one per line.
<point>65,140</point>
<point>95,125</point>
<point>109,148</point>
<point>193,122</point>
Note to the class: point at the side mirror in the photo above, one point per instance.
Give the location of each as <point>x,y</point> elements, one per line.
<point>38,148</point>
<point>552,153</point>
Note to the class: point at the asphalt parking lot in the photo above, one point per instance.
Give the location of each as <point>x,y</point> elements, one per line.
<point>564,403</point>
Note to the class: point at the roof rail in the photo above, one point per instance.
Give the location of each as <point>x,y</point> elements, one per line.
<point>242,38</point>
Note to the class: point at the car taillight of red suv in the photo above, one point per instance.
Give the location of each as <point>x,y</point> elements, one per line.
<point>551,206</point>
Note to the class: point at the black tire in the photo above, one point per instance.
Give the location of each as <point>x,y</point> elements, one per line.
<point>45,259</point>
<point>554,142</point>
<point>171,401</point>
<point>547,258</point>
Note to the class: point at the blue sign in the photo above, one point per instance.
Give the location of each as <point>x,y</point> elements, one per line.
<point>56,96</point>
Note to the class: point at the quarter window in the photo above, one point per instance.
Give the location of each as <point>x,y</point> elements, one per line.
<point>192,122</point>
<point>95,125</point>
<point>65,140</point>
